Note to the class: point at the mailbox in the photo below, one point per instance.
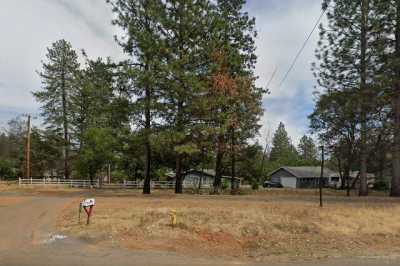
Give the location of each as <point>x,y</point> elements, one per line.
<point>88,202</point>
<point>87,205</point>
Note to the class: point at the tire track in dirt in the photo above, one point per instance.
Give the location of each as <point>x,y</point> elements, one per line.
<point>28,222</point>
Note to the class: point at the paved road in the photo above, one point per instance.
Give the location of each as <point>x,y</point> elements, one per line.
<point>27,238</point>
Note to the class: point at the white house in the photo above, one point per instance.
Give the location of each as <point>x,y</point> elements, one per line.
<point>303,176</point>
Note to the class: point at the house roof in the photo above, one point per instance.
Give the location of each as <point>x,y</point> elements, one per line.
<point>206,172</point>
<point>209,172</point>
<point>355,174</point>
<point>306,171</point>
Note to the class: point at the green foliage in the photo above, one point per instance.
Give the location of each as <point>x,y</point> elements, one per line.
<point>186,96</point>
<point>225,184</point>
<point>255,185</point>
<point>118,176</point>
<point>308,151</point>
<point>7,170</point>
<point>92,100</point>
<point>45,152</point>
<point>58,83</point>
<point>96,152</point>
<point>283,150</point>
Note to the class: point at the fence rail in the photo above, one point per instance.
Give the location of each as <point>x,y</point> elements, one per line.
<point>56,182</point>
<point>97,184</point>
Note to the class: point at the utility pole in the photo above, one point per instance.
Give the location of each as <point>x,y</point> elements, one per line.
<point>321,179</point>
<point>28,149</point>
<point>267,138</point>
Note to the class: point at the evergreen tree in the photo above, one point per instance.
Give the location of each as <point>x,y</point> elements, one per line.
<point>142,41</point>
<point>307,150</point>
<point>186,26</point>
<point>388,51</point>
<point>45,152</point>
<point>234,100</point>
<point>92,98</point>
<point>347,65</point>
<point>336,122</point>
<point>283,150</point>
<point>96,152</point>
<point>58,83</point>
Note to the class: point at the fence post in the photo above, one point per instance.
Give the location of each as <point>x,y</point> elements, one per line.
<point>31,180</point>
<point>19,181</point>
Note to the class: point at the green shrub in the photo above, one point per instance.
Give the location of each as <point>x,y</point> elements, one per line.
<point>225,184</point>
<point>255,185</point>
<point>7,170</point>
<point>118,176</point>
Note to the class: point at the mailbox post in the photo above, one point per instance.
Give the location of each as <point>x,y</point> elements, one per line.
<point>87,205</point>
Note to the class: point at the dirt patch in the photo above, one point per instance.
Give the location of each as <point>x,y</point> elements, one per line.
<point>6,201</point>
<point>253,226</point>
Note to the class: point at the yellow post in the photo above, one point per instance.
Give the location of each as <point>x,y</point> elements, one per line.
<point>172,214</point>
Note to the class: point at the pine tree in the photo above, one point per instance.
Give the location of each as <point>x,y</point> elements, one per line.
<point>142,41</point>
<point>92,98</point>
<point>185,27</point>
<point>58,83</point>
<point>388,50</point>
<point>307,150</point>
<point>234,100</point>
<point>347,65</point>
<point>283,150</point>
<point>395,95</point>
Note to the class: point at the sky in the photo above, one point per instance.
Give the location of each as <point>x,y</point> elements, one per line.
<point>30,26</point>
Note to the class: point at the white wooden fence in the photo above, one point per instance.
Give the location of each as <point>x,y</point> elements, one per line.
<point>55,182</point>
<point>96,183</point>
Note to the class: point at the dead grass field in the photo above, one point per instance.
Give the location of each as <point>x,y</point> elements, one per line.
<point>266,224</point>
<point>37,189</point>
<point>10,201</point>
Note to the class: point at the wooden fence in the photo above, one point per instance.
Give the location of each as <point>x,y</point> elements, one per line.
<point>96,184</point>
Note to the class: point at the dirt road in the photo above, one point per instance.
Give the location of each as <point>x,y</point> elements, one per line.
<point>28,237</point>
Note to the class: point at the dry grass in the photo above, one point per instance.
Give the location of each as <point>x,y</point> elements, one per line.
<point>37,189</point>
<point>4,186</point>
<point>266,224</point>
<point>6,201</point>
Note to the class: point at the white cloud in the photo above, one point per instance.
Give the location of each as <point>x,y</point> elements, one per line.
<point>283,27</point>
<point>29,26</point>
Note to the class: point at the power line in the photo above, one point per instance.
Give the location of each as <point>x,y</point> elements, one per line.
<point>301,49</point>
<point>272,77</point>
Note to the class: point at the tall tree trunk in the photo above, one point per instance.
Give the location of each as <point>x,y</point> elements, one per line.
<point>233,162</point>
<point>65,127</point>
<point>341,172</point>
<point>363,191</point>
<point>178,175</point>
<point>178,159</point>
<point>218,164</point>
<point>395,187</point>
<point>202,170</point>
<point>346,179</point>
<point>147,168</point>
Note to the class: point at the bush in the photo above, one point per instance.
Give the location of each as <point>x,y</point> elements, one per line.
<point>118,176</point>
<point>7,171</point>
<point>225,184</point>
<point>255,185</point>
<point>382,185</point>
